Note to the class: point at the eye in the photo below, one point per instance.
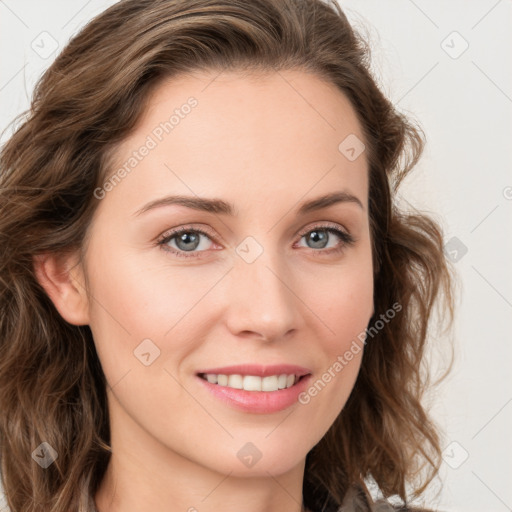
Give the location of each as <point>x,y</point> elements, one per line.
<point>185,239</point>
<point>188,239</point>
<point>320,235</point>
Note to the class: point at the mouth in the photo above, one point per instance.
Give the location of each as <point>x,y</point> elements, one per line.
<point>267,383</point>
<point>256,389</point>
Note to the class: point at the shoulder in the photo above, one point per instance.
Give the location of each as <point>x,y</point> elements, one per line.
<point>382,506</point>
<point>357,500</point>
<point>413,509</point>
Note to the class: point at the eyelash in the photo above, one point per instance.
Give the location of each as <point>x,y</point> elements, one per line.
<point>346,240</point>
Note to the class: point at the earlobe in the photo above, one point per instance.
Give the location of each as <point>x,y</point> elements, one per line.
<point>62,279</point>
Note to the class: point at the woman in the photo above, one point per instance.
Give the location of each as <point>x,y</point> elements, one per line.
<point>277,362</point>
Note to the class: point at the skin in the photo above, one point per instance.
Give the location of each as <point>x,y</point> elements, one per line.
<point>265,143</point>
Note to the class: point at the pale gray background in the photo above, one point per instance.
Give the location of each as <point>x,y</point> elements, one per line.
<point>464,103</point>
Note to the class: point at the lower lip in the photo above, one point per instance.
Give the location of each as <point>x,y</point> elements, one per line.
<point>262,402</point>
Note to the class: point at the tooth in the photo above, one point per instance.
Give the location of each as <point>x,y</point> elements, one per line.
<point>235,381</point>
<point>252,383</point>
<point>269,383</point>
<point>281,381</point>
<point>222,380</point>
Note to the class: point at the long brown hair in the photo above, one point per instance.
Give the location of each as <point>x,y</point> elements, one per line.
<point>52,388</point>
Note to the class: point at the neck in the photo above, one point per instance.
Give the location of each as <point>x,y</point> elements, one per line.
<point>143,474</point>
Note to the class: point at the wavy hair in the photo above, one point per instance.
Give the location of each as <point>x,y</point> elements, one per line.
<point>52,387</point>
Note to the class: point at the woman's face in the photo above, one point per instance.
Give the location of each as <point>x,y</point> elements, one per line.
<point>268,284</point>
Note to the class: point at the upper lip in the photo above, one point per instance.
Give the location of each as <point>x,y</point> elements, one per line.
<point>258,370</point>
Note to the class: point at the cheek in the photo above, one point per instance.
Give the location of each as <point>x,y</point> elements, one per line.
<point>345,305</point>
<point>134,301</point>
<point>344,302</point>
<point>133,292</point>
<point>347,313</point>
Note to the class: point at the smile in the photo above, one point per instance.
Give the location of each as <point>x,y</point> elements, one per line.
<point>252,382</point>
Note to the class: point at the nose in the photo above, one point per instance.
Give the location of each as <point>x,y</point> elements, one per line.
<point>262,303</point>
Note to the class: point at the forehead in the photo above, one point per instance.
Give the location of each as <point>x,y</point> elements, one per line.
<point>247,135</point>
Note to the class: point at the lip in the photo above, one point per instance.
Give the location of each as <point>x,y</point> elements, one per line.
<point>257,402</point>
<point>258,370</point>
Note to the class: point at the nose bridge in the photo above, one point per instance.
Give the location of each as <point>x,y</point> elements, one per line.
<point>260,291</point>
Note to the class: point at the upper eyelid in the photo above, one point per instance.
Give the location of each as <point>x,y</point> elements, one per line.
<point>203,230</point>
<point>345,234</point>
<point>322,224</point>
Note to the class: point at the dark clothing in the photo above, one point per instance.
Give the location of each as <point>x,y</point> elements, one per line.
<point>357,500</point>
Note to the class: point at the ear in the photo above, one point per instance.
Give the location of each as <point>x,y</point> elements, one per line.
<point>61,276</point>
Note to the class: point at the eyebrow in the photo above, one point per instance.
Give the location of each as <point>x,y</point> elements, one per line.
<point>219,206</point>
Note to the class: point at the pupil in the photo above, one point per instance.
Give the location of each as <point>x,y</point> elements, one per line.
<point>318,237</point>
<point>183,238</point>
